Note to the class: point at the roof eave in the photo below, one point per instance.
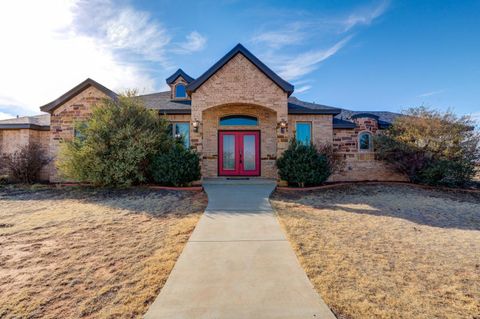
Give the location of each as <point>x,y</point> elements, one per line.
<point>174,112</point>
<point>315,112</point>
<point>24,126</point>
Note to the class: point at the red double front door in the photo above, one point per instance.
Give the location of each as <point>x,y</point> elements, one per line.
<point>238,153</point>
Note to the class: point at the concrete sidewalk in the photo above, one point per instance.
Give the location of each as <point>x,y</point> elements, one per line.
<point>238,263</point>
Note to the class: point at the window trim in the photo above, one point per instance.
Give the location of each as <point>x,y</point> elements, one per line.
<point>232,116</point>
<point>174,131</point>
<point>175,91</point>
<point>370,141</point>
<point>310,123</point>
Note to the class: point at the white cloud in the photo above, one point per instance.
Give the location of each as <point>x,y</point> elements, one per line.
<point>365,16</point>
<point>4,116</point>
<point>306,62</point>
<point>194,42</point>
<point>303,89</point>
<point>276,39</point>
<point>476,117</point>
<point>427,94</point>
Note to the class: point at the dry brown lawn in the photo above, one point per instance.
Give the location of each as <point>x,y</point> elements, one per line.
<point>70,253</point>
<point>388,251</point>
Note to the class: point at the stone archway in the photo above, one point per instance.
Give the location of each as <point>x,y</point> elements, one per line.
<point>267,126</point>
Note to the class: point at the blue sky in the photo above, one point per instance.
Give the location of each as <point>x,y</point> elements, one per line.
<point>361,55</point>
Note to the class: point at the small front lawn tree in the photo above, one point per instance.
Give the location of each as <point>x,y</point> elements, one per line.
<point>431,147</point>
<point>114,147</point>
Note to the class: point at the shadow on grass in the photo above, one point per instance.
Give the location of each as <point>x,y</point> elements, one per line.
<point>157,203</point>
<point>453,209</point>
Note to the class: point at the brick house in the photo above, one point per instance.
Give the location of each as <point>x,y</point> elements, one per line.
<point>239,116</point>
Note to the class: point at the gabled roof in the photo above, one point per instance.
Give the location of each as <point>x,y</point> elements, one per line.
<point>75,91</point>
<point>295,106</point>
<point>284,85</point>
<point>178,73</point>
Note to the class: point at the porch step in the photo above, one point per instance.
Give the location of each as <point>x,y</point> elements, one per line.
<point>238,181</point>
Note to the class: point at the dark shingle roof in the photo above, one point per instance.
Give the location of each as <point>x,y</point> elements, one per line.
<point>178,73</point>
<point>338,123</point>
<point>38,122</point>
<point>75,91</point>
<point>162,101</point>
<point>287,87</point>
<point>296,106</point>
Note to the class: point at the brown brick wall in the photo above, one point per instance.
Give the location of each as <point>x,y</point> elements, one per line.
<point>322,129</point>
<point>239,82</point>
<point>12,140</point>
<point>63,119</point>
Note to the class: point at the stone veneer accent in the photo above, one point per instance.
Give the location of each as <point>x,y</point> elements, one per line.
<point>360,165</point>
<point>64,118</point>
<point>238,82</point>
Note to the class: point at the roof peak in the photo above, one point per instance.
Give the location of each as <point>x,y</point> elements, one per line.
<point>49,107</point>
<point>239,48</point>
<point>178,73</point>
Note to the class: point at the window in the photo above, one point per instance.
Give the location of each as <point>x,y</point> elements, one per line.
<point>79,130</point>
<point>180,91</point>
<point>303,132</point>
<point>182,130</point>
<point>365,141</point>
<point>239,120</point>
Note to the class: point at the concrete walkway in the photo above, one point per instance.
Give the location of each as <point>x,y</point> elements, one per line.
<point>238,263</point>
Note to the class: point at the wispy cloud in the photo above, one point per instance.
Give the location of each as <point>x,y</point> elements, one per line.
<point>307,62</point>
<point>292,34</point>
<point>194,42</point>
<point>303,89</point>
<point>431,93</point>
<point>364,16</point>
<point>281,43</point>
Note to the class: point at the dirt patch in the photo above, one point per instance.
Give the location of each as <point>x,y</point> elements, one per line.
<point>388,251</point>
<point>89,253</point>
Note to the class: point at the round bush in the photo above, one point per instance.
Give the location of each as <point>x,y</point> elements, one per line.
<point>302,165</point>
<point>176,167</point>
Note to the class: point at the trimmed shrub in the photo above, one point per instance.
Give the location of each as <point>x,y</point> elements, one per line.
<point>114,147</point>
<point>176,167</point>
<point>25,164</point>
<point>303,165</point>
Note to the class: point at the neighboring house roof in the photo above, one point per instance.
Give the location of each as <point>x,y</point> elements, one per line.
<point>38,122</point>
<point>178,73</point>
<point>284,85</point>
<point>75,91</point>
<point>296,106</point>
<point>381,115</point>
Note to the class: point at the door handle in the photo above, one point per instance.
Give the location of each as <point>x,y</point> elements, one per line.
<point>240,158</point>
